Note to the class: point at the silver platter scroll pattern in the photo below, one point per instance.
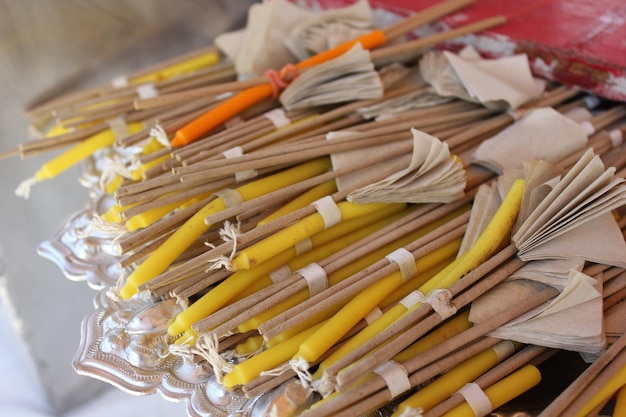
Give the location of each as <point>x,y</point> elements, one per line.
<point>82,250</point>
<point>125,343</point>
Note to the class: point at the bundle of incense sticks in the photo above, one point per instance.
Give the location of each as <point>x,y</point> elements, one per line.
<point>249,214</point>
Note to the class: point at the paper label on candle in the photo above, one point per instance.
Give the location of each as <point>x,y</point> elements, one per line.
<point>503,349</point>
<point>231,197</point>
<point>119,128</point>
<point>315,277</point>
<point>303,246</point>
<point>278,117</point>
<point>120,81</point>
<point>405,261</point>
<point>280,274</point>
<point>476,399</point>
<point>440,300</point>
<point>329,211</point>
<point>617,137</point>
<point>412,298</point>
<point>373,315</point>
<point>395,377</point>
<point>145,91</point>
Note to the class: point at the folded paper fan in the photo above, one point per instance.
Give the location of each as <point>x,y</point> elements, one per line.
<point>348,77</point>
<point>432,176</point>
<point>586,193</point>
<point>572,321</point>
<point>542,134</point>
<point>504,83</point>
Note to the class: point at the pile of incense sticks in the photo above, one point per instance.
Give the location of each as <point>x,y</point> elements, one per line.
<point>283,278</point>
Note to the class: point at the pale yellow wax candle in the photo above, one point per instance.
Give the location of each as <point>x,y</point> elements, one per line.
<point>352,229</point>
<point>297,232</point>
<point>620,402</point>
<point>57,129</point>
<point>323,244</point>
<point>266,360</point>
<point>193,228</point>
<point>496,234</point>
<point>149,217</point>
<point>372,329</point>
<point>249,346</point>
<point>357,308</point>
<point>224,292</point>
<point>79,152</point>
<point>447,384</point>
<point>114,213</point>
<point>303,200</point>
<point>611,387</point>
<point>183,68</point>
<point>352,268</point>
<point>503,391</point>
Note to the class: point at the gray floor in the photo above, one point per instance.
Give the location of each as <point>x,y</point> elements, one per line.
<point>47,45</point>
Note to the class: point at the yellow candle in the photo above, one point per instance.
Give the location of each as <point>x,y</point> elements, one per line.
<point>79,152</point>
<point>193,228</point>
<point>329,235</point>
<point>388,317</point>
<point>251,345</point>
<point>338,325</point>
<point>503,391</point>
<point>148,217</point>
<point>615,383</point>
<point>377,326</point>
<point>620,402</point>
<point>315,193</point>
<point>183,68</point>
<point>297,232</point>
<point>251,368</point>
<point>223,293</point>
<point>443,387</point>
<point>241,280</point>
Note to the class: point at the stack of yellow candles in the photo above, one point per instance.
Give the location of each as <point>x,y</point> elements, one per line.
<point>241,210</point>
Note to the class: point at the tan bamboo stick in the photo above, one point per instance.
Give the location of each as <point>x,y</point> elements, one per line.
<point>495,374</point>
<point>413,365</point>
<point>417,318</point>
<point>579,392</point>
<point>387,52</point>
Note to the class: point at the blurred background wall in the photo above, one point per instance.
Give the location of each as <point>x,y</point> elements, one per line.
<point>51,46</point>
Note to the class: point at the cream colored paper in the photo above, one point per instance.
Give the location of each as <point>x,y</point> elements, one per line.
<point>501,83</point>
<point>260,46</point>
<point>321,31</point>
<point>571,321</point>
<point>586,192</point>
<point>542,134</point>
<point>432,176</point>
<point>348,77</point>
<point>553,272</point>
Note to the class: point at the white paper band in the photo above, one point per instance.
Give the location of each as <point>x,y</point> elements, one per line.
<point>243,175</point>
<point>119,128</point>
<point>405,261</point>
<point>373,315</point>
<point>503,349</point>
<point>440,300</point>
<point>411,299</point>
<point>280,274</point>
<point>587,127</point>
<point>303,246</point>
<point>329,211</point>
<point>277,117</point>
<point>476,399</point>
<point>120,81</point>
<point>231,197</point>
<point>617,137</point>
<point>147,91</point>
<point>315,277</point>
<point>395,377</point>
